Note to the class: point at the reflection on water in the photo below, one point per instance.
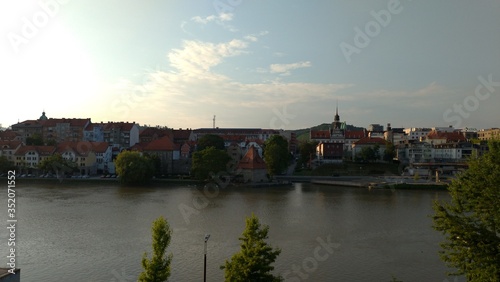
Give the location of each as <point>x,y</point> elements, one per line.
<point>99,233</point>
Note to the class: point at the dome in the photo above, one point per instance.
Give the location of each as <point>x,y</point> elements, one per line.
<point>43,117</point>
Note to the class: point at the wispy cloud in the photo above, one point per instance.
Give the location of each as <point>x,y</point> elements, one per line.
<point>284,69</point>
<point>223,17</point>
<point>197,57</point>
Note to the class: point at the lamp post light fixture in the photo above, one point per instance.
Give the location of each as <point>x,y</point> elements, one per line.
<point>207,236</point>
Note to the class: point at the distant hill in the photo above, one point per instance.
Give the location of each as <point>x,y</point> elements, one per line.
<point>303,134</point>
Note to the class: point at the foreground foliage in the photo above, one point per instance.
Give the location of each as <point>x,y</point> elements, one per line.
<point>254,261</point>
<point>157,269</point>
<point>471,221</point>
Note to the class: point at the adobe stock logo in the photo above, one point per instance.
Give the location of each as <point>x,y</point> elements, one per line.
<point>372,29</point>
<point>471,103</point>
<point>31,27</point>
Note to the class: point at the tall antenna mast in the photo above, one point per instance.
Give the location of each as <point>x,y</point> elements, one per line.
<point>214,122</point>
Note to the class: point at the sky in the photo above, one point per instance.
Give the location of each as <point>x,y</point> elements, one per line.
<point>282,64</point>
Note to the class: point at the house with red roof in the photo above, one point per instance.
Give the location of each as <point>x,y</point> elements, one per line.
<point>81,153</point>
<point>27,158</point>
<point>163,148</point>
<point>252,167</point>
<point>10,135</point>
<point>8,148</point>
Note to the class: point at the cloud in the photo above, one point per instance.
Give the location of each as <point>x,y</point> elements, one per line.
<point>223,17</point>
<point>197,57</point>
<point>255,37</point>
<point>191,91</point>
<point>220,19</point>
<point>284,69</point>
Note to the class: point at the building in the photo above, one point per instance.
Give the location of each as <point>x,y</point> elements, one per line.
<point>9,135</point>
<point>63,129</point>
<point>330,148</point>
<point>163,148</point>
<point>81,153</point>
<point>8,148</point>
<point>415,133</point>
<point>369,142</point>
<point>27,128</point>
<point>488,134</point>
<point>252,167</point>
<point>28,158</point>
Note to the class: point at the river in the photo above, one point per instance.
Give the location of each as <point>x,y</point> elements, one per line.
<point>99,232</point>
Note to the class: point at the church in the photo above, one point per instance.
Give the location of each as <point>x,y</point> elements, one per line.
<point>330,148</point>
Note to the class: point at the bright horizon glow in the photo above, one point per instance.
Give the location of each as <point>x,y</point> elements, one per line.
<point>177,64</point>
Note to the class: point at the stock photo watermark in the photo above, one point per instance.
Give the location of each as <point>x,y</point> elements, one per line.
<point>363,37</point>
<point>31,26</point>
<point>321,253</point>
<point>121,276</point>
<point>471,103</point>
<point>11,221</point>
<point>226,6</point>
<point>283,116</point>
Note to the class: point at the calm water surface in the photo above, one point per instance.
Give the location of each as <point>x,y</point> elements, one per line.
<point>91,232</point>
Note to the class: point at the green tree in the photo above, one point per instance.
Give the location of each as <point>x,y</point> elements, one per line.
<point>307,152</point>
<point>157,269</point>
<point>367,154</point>
<point>58,165</point>
<point>209,160</point>
<point>390,152</point>
<point>254,261</point>
<point>133,168</point>
<point>471,220</point>
<point>5,165</point>
<point>276,154</point>
<point>35,140</point>
<point>210,140</point>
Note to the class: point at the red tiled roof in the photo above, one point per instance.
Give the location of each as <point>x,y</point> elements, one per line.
<point>252,160</point>
<point>320,134</point>
<point>152,131</point>
<point>370,141</point>
<point>77,122</point>
<point>358,134</point>
<point>99,147</point>
<point>182,134</point>
<point>449,136</point>
<point>9,135</point>
<point>162,144</point>
<point>10,144</point>
<point>41,150</point>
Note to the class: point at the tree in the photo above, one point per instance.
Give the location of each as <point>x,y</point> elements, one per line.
<point>157,269</point>
<point>390,152</point>
<point>58,165</point>
<point>276,154</point>
<point>367,154</point>
<point>254,261</point>
<point>35,140</point>
<point>471,220</point>
<point>307,152</point>
<point>133,168</point>
<point>5,165</point>
<point>210,140</point>
<point>209,160</point>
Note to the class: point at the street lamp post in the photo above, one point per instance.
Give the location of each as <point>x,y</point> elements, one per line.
<point>205,259</point>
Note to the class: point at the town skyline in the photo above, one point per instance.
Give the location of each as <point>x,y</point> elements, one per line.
<point>178,64</point>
